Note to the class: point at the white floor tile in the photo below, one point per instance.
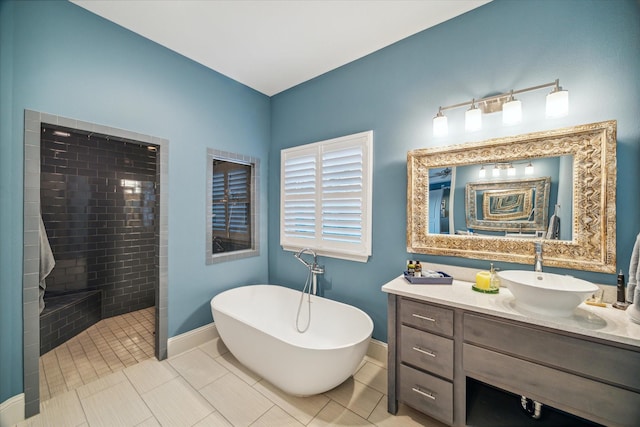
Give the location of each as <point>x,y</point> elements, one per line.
<point>276,417</point>
<point>101,384</point>
<point>214,419</point>
<point>406,417</point>
<point>301,408</point>
<point>373,376</point>
<point>149,422</point>
<point>176,403</point>
<point>197,367</point>
<point>238,402</point>
<point>61,410</point>
<point>356,396</point>
<point>118,405</point>
<point>150,374</point>
<point>214,348</point>
<point>232,364</point>
<point>335,414</point>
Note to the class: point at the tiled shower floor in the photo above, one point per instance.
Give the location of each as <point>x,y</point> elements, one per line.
<point>205,386</point>
<point>106,347</point>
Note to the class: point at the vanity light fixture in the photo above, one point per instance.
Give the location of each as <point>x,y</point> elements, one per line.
<point>557,102</point>
<point>496,171</point>
<point>482,172</point>
<point>528,170</point>
<point>440,126</point>
<point>557,105</point>
<point>511,171</point>
<point>473,118</point>
<point>511,111</point>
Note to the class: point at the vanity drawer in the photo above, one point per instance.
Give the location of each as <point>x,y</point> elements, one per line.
<point>591,359</point>
<point>426,351</point>
<point>426,317</point>
<point>426,393</point>
<point>600,402</point>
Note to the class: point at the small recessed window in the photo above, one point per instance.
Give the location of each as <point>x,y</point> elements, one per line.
<point>231,206</point>
<point>325,191</point>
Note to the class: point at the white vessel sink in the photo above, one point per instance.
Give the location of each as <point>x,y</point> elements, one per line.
<point>547,293</point>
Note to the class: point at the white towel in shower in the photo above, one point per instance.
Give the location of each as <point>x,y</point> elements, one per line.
<point>634,270</point>
<point>47,262</point>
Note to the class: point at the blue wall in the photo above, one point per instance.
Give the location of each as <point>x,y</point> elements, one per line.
<point>593,47</point>
<point>58,58</point>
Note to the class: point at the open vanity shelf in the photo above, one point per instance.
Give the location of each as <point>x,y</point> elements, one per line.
<point>440,337</point>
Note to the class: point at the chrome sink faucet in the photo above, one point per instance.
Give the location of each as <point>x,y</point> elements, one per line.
<point>537,263</point>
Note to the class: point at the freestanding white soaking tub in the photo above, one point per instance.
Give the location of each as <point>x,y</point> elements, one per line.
<point>258,325</point>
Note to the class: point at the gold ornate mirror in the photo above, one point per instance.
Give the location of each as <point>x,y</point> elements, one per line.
<point>587,193</point>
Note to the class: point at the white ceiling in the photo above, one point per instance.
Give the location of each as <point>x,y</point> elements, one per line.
<point>271,45</point>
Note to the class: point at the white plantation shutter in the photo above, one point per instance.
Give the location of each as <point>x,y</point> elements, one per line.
<point>326,197</point>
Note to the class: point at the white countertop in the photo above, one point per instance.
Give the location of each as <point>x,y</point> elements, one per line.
<point>599,322</point>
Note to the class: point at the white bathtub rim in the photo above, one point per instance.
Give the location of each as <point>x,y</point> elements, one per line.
<point>259,327</point>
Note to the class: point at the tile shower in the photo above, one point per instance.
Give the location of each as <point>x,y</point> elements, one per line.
<point>99,202</point>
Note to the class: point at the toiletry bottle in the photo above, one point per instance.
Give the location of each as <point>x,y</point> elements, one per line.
<point>494,280</point>
<point>417,269</point>
<point>411,268</point>
<point>621,299</point>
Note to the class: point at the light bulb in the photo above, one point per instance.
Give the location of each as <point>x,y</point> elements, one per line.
<point>482,172</point>
<point>495,172</point>
<point>528,170</point>
<point>511,111</point>
<point>440,125</point>
<point>557,102</point>
<point>511,171</point>
<point>473,118</point>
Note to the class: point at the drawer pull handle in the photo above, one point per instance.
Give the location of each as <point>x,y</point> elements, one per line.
<point>430,319</point>
<point>424,393</point>
<point>423,351</point>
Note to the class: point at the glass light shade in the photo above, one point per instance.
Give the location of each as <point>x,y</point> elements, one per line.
<point>440,125</point>
<point>558,104</point>
<point>473,119</point>
<point>511,171</point>
<point>495,172</point>
<point>528,170</point>
<point>482,172</point>
<point>512,112</point>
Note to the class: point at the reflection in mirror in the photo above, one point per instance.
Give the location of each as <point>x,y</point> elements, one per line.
<point>558,168</point>
<point>440,202</point>
<point>231,206</point>
<point>514,208</point>
<point>580,162</point>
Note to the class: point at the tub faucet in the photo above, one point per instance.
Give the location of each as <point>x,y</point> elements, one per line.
<point>537,263</point>
<point>314,268</point>
<point>298,256</point>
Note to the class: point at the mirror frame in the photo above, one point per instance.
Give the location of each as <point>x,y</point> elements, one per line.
<point>593,247</point>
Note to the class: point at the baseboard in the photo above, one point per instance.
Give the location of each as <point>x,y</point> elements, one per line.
<point>191,339</point>
<point>12,410</point>
<point>378,351</point>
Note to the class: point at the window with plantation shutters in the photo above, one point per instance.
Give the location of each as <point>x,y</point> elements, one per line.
<point>326,197</point>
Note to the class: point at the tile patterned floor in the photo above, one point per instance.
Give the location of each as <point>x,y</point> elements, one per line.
<point>207,386</point>
<point>104,348</point>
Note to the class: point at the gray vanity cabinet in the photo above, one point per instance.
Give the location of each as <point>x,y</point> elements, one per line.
<point>434,348</point>
<point>596,380</point>
<point>421,358</point>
